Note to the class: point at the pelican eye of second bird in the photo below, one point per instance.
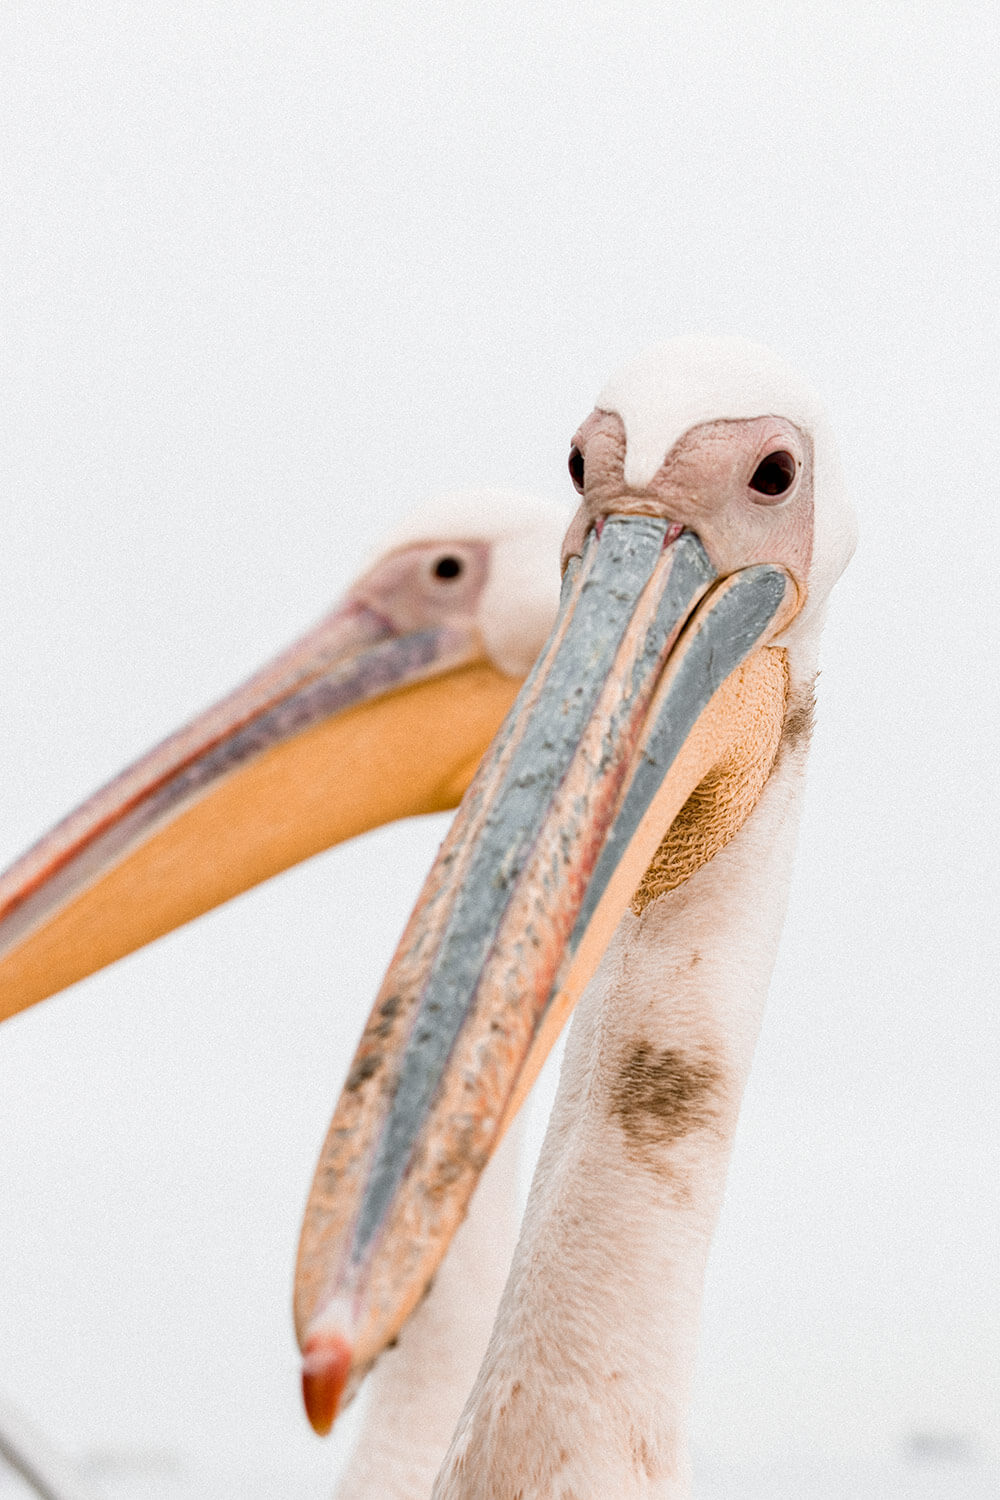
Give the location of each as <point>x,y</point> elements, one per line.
<point>448,567</point>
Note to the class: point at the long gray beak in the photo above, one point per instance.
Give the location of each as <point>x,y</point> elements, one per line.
<point>646,682</point>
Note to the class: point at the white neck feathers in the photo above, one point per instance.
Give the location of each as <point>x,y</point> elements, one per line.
<point>585,1386</point>
<point>416,1392</point>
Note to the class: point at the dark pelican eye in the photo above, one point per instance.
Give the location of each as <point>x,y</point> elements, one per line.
<point>448,567</point>
<point>774,474</point>
<point>576,468</point>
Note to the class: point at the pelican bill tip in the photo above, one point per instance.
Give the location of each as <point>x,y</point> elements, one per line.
<point>326,1364</point>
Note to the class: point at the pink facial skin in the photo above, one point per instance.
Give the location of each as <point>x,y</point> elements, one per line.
<point>704,483</point>
<point>426,585</point>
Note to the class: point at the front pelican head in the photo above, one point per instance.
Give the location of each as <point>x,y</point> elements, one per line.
<point>711,526</point>
<point>382,711</point>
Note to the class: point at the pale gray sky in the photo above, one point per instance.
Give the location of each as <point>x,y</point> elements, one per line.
<point>271,272</point>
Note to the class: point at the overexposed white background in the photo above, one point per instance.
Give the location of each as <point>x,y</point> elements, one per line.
<point>271,273</point>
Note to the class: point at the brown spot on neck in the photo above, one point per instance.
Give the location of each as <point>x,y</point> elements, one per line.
<point>659,1096</point>
<point>796,732</point>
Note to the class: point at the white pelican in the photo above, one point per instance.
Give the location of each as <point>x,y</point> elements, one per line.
<point>630,832</point>
<point>380,712</point>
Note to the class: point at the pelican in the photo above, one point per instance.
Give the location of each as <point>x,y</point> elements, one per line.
<point>628,840</point>
<point>380,712</point>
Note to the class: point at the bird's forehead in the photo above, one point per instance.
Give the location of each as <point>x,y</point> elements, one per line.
<point>689,381</point>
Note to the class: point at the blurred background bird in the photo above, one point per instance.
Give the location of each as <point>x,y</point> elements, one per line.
<point>381,711</point>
